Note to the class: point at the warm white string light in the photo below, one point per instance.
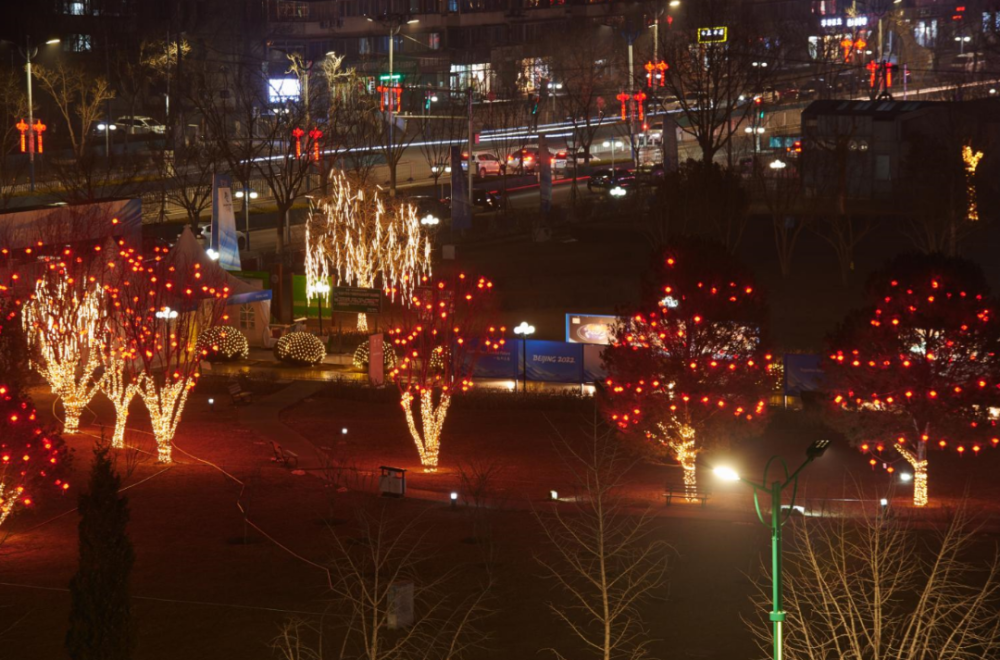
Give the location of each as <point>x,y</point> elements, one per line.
<point>120,390</point>
<point>971,159</point>
<point>165,404</point>
<point>353,234</point>
<point>61,325</point>
<point>680,438</point>
<point>919,475</point>
<point>429,442</point>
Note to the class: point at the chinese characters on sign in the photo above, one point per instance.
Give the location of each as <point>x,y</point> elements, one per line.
<point>713,35</point>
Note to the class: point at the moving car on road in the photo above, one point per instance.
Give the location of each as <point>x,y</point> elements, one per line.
<point>605,179</point>
<point>485,164</point>
<point>140,126</point>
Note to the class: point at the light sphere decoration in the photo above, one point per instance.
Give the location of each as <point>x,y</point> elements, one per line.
<point>223,343</point>
<point>300,348</point>
<point>361,356</point>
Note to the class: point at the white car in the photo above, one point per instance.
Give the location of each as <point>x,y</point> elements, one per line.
<point>140,126</point>
<point>559,160</point>
<point>485,164</point>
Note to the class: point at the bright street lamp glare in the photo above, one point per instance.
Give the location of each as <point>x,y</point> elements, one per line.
<point>52,42</point>
<point>905,477</point>
<point>726,473</point>
<point>412,21</point>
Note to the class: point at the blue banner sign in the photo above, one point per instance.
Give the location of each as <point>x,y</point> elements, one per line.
<point>554,362</point>
<point>802,374</point>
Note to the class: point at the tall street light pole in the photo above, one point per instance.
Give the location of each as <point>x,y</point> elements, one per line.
<point>524,331</point>
<point>28,53</point>
<point>776,522</point>
<point>394,23</point>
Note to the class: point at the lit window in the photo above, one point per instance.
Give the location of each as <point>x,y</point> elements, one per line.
<point>77,43</point>
<point>434,40</point>
<point>248,320</point>
<point>75,8</point>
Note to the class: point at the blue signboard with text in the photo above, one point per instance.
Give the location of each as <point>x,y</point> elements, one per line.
<point>554,362</point>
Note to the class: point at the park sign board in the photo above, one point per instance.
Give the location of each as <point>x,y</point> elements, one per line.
<point>713,35</point>
<point>356,299</point>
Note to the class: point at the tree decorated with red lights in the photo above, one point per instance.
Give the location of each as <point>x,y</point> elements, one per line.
<point>445,328</point>
<point>918,367</point>
<point>161,305</point>
<point>689,367</point>
<point>31,460</point>
<point>64,319</point>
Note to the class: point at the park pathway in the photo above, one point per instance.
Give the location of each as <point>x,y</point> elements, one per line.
<point>263,417</point>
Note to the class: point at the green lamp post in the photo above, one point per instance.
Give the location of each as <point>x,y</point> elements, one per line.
<point>776,522</point>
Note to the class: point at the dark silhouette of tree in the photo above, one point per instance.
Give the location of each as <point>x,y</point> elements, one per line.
<point>100,620</point>
<point>689,366</point>
<point>918,366</point>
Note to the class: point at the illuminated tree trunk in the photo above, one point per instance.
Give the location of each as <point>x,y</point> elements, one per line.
<point>432,419</point>
<point>73,410</point>
<point>362,322</point>
<point>8,498</point>
<point>918,462</point>
<point>165,405</point>
<point>114,387</point>
<point>685,452</point>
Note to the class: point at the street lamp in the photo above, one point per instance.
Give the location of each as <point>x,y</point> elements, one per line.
<point>247,196</point>
<point>814,451</point>
<point>961,43</point>
<point>28,53</point>
<point>778,165</point>
<point>613,144</point>
<point>319,290</point>
<point>394,22</point>
<point>524,330</point>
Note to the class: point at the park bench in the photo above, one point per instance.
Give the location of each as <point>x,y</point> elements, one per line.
<point>681,493</point>
<point>238,394</point>
<point>283,456</point>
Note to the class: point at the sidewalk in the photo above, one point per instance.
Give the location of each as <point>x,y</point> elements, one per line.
<point>263,417</point>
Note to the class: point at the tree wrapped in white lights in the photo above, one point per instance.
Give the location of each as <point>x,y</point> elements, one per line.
<point>63,323</point>
<point>365,241</point>
<point>120,383</point>
<point>162,304</point>
<point>448,318</point>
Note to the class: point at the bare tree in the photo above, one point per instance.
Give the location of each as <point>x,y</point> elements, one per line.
<point>586,78</point>
<point>386,605</point>
<point>780,189</point>
<point>870,587</point>
<point>714,81</point>
<point>444,128</point>
<point>79,97</point>
<point>604,560</point>
<point>353,122</point>
<point>187,177</point>
<point>13,108</point>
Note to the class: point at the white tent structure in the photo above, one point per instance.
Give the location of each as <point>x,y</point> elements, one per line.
<point>248,305</point>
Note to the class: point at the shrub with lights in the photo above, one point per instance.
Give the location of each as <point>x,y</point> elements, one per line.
<point>223,343</point>
<point>365,239</point>
<point>300,348</point>
<point>444,330</point>
<point>361,356</point>
<point>31,460</point>
<point>689,368</point>
<point>918,367</point>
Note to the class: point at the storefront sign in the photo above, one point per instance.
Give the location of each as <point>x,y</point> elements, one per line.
<point>713,35</point>
<point>841,21</point>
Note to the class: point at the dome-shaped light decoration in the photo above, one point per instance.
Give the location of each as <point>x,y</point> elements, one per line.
<point>300,348</point>
<point>361,356</point>
<point>223,343</point>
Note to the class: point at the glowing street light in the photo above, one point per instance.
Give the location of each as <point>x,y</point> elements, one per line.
<point>318,290</point>
<point>613,144</point>
<point>524,330</point>
<point>778,165</point>
<point>247,196</point>
<point>166,313</point>
<point>777,520</point>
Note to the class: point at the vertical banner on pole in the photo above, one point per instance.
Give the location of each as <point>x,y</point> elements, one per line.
<point>376,359</point>
<point>224,240</point>
<point>461,214</point>
<point>545,175</point>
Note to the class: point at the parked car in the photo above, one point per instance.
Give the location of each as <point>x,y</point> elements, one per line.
<point>428,206</point>
<point>523,161</point>
<point>559,161</point>
<point>650,175</point>
<point>485,164</point>
<point>487,200</point>
<point>204,235</point>
<point>140,126</point>
<point>607,178</point>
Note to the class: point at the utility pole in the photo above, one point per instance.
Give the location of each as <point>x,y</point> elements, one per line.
<point>392,124</point>
<point>31,118</point>
<point>471,198</point>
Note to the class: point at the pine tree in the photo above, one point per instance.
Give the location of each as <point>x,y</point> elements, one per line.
<point>100,620</point>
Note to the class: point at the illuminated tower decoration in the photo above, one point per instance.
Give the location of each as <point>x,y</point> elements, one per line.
<point>689,369</point>
<point>39,128</point>
<point>297,133</point>
<point>315,135</point>
<point>23,127</point>
<point>639,97</point>
<point>917,367</point>
<point>63,322</point>
<point>971,159</point>
<point>445,328</point>
<point>366,240</point>
<point>624,99</point>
